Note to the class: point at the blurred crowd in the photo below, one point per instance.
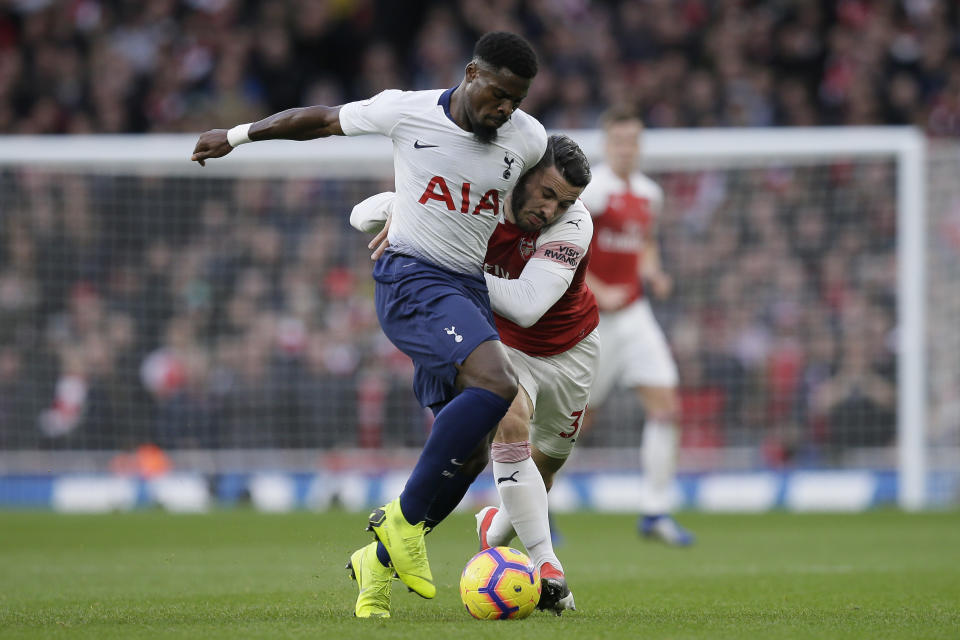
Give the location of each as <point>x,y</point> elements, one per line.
<point>79,66</point>
<point>215,312</point>
<point>192,313</point>
<point>783,317</point>
<point>784,321</point>
<point>219,312</point>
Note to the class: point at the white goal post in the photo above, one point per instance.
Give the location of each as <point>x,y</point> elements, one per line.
<point>665,150</point>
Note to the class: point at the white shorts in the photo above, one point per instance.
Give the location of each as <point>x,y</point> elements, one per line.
<point>633,352</point>
<point>559,387</point>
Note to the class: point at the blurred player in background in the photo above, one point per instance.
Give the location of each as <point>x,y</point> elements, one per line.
<point>547,318</point>
<point>625,205</point>
<point>457,152</point>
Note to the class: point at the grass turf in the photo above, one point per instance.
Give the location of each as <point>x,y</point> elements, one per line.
<point>239,574</point>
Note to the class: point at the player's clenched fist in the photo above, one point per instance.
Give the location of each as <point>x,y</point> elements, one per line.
<point>212,144</point>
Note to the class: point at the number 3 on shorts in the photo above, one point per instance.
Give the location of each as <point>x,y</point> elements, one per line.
<point>576,415</point>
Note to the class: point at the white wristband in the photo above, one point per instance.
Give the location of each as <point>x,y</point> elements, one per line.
<point>239,134</point>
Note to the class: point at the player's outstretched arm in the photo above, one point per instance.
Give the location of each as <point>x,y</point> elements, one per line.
<point>302,123</point>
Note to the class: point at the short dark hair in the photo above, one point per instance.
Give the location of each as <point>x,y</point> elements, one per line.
<point>504,49</point>
<point>620,113</point>
<point>568,158</point>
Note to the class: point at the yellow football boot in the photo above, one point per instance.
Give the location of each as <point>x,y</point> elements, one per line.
<point>373,580</point>
<point>404,543</point>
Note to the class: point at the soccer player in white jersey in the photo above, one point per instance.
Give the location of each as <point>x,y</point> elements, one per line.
<point>547,317</point>
<point>625,205</point>
<point>457,153</point>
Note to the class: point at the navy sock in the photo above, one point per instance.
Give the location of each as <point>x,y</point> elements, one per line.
<point>449,497</point>
<point>382,554</point>
<point>459,427</point>
<point>443,505</point>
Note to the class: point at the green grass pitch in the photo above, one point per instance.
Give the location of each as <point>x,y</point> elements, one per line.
<point>239,574</point>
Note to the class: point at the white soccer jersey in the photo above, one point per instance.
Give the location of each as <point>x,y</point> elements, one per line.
<point>450,186</point>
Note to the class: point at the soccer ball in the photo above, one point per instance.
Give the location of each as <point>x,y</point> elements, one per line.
<point>499,584</point>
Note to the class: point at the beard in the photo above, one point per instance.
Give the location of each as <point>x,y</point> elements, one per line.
<point>518,200</point>
<point>483,133</point>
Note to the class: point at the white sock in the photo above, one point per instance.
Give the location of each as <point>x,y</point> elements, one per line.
<point>523,498</point>
<point>659,458</point>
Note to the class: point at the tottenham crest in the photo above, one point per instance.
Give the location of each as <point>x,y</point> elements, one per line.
<point>509,162</point>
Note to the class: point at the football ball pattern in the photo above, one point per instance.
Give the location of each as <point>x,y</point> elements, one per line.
<point>500,584</point>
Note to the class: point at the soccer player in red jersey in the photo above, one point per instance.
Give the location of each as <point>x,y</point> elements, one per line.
<point>625,205</point>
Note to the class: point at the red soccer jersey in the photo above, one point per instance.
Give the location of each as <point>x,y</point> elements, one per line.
<point>575,314</point>
<point>623,216</point>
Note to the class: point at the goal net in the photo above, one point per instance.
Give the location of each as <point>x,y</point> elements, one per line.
<point>224,314</point>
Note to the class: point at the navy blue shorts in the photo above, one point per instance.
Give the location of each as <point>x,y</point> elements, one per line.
<point>435,316</point>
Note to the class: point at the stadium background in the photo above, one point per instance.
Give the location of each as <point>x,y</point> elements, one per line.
<point>229,320</point>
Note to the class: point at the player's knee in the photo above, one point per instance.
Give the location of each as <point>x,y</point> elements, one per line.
<point>513,428</point>
<point>506,388</point>
<point>498,377</point>
<point>670,410</point>
<point>502,380</point>
<point>661,404</point>
<point>488,367</point>
<point>664,415</point>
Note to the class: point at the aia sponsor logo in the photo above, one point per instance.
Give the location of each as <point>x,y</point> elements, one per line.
<point>437,189</point>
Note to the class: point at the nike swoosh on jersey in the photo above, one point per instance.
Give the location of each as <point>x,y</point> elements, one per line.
<point>418,145</point>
